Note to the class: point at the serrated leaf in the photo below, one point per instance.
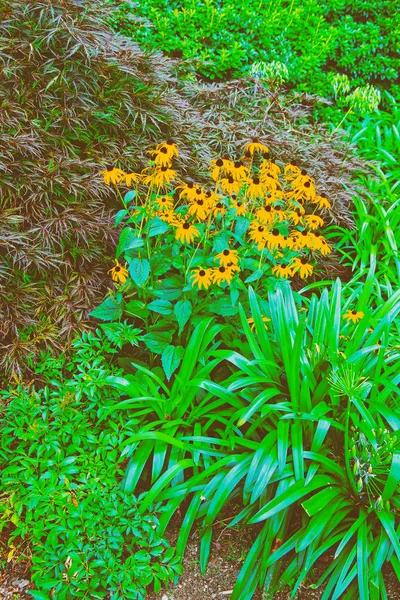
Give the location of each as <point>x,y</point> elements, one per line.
<point>163,307</point>
<point>170,359</point>
<point>157,341</point>
<point>139,270</point>
<point>156,227</point>
<point>223,307</point>
<point>182,312</point>
<point>110,309</point>
<point>128,239</point>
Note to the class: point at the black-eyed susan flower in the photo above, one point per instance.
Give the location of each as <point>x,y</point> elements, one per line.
<point>275,239</point>
<point>161,157</point>
<point>221,166</point>
<point>269,183</point>
<point>188,190</point>
<point>255,189</point>
<point>313,221</point>
<point>239,172</point>
<point>283,271</point>
<point>302,239</point>
<point>269,169</point>
<point>202,278</point>
<point>265,214</point>
<point>258,233</point>
<point>353,315</point>
<point>186,232</point>
<point>296,216</point>
<point>318,242</point>
<point>199,209</point>
<point>131,178</point>
<point>279,214</point>
<point>170,147</point>
<point>160,176</point>
<point>239,206</point>
<point>222,275</point>
<point>164,203</point>
<point>227,257</point>
<point>303,188</point>
<point>230,186</point>
<point>265,320</point>
<point>302,266</point>
<point>169,217</point>
<point>321,202</point>
<point>219,209</point>
<point>112,175</point>
<point>255,146</point>
<point>291,171</point>
<point>119,273</point>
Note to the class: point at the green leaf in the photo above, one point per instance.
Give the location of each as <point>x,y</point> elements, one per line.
<point>223,307</point>
<point>130,195</point>
<point>128,239</point>
<point>254,276</point>
<point>182,312</point>
<point>163,307</point>
<point>156,227</point>
<point>157,341</point>
<point>170,359</point>
<point>110,309</point>
<point>139,270</point>
<point>120,215</point>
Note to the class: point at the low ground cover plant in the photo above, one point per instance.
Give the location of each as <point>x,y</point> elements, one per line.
<point>312,40</point>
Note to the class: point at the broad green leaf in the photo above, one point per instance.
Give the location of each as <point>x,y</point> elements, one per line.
<point>170,359</point>
<point>139,270</point>
<point>128,239</point>
<point>163,307</point>
<point>182,312</point>
<point>110,309</point>
<point>157,341</point>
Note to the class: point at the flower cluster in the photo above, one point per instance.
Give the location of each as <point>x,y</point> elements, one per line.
<point>254,208</point>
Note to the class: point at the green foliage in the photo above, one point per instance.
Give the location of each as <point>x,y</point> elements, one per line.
<point>313,39</point>
<point>302,433</point>
<point>61,470</point>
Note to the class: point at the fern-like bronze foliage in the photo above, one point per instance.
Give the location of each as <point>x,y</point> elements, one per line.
<point>75,98</point>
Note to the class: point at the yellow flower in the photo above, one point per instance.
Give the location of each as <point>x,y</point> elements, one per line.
<point>291,171</point>
<point>256,146</point>
<point>170,147</point>
<point>169,217</point>
<point>199,208</point>
<point>119,273</point>
<point>302,266</point>
<point>313,221</point>
<point>160,176</point>
<point>269,183</point>
<point>222,274</point>
<point>275,239</point>
<point>269,169</point>
<point>258,233</point>
<point>282,271</point>
<point>302,239</point>
<point>322,202</point>
<point>252,324</point>
<point>201,278</point>
<point>186,232</point>
<point>240,207</point>
<point>279,214</point>
<point>164,203</point>
<point>303,187</point>
<point>296,216</point>
<point>188,190</point>
<point>319,243</point>
<point>161,157</point>
<point>230,186</point>
<point>226,257</point>
<point>353,315</point>
<point>112,175</point>
<point>220,166</point>
<point>132,178</point>
<point>256,188</point>
<point>219,209</point>
<point>239,171</point>
<point>265,214</point>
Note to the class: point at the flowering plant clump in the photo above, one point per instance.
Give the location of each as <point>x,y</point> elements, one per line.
<point>257,222</point>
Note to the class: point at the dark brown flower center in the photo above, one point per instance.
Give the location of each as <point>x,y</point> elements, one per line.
<point>117,269</point>
<point>256,180</point>
<point>230,179</point>
<point>268,208</point>
<point>163,169</point>
<point>303,172</point>
<point>238,164</point>
<point>186,226</point>
<point>190,185</point>
<point>239,203</point>
<point>110,168</point>
<point>200,202</point>
<point>202,273</point>
<point>198,191</point>
<point>353,312</point>
<point>304,233</point>
<point>278,207</point>
<point>164,150</point>
<point>261,229</point>
<point>254,140</point>
<point>275,231</point>
<point>317,234</point>
<point>307,184</point>
<point>222,269</point>
<point>247,154</point>
<point>226,253</point>
<point>170,142</point>
<point>303,261</point>
<point>208,194</point>
<point>266,155</point>
<point>220,205</point>
<point>219,162</point>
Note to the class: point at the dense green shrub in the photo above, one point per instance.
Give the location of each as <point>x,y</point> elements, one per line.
<point>222,39</point>
<point>75,98</point>
<point>61,470</point>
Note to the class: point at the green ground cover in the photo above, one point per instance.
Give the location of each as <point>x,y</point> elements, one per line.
<point>270,385</point>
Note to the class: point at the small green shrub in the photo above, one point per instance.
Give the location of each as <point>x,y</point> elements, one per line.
<point>60,486</point>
